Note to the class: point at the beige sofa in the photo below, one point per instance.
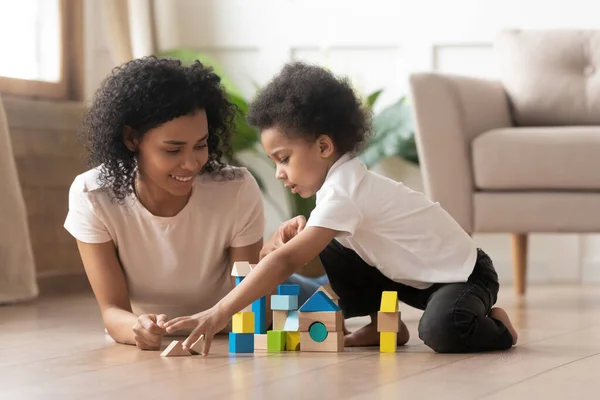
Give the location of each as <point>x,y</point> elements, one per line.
<point>521,154</point>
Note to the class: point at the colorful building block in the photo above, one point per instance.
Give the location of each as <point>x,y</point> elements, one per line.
<point>319,302</point>
<point>292,341</point>
<point>388,321</point>
<point>318,332</point>
<point>291,322</point>
<point>389,302</point>
<point>279,318</point>
<point>284,302</point>
<point>241,268</point>
<point>276,340</point>
<point>333,343</point>
<point>332,320</point>
<point>243,322</point>
<point>292,290</point>
<point>241,342</point>
<point>260,341</point>
<point>238,280</point>
<point>259,308</point>
<point>388,342</point>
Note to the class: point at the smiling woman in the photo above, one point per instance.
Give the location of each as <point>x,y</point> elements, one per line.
<point>160,218</point>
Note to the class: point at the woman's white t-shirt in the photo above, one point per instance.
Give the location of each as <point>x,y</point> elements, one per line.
<point>173,265</point>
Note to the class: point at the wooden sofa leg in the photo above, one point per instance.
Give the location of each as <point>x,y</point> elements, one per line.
<point>519,254</point>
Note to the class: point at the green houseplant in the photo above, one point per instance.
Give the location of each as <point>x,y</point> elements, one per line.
<point>393,132</point>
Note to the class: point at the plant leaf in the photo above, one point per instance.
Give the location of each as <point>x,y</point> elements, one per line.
<point>394,135</point>
<point>372,98</point>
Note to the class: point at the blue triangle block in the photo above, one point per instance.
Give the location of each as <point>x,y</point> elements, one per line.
<point>319,302</point>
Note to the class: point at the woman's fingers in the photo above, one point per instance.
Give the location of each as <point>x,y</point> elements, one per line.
<point>161,319</point>
<point>181,323</point>
<point>207,343</point>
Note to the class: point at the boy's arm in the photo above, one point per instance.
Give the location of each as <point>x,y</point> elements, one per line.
<point>270,272</point>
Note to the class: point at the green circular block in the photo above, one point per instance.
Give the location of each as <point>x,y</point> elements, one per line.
<point>317,332</point>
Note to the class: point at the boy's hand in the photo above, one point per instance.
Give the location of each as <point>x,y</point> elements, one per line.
<point>206,323</point>
<point>148,331</point>
<point>288,230</point>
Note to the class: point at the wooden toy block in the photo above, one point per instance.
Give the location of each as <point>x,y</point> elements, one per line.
<point>259,308</point>
<point>292,290</point>
<point>243,322</point>
<point>198,346</point>
<point>241,342</point>
<point>333,343</point>
<point>260,341</point>
<point>284,302</point>
<point>248,308</point>
<point>388,342</point>
<point>174,349</point>
<point>241,268</point>
<point>276,340</point>
<point>292,341</point>
<point>388,321</point>
<point>331,320</point>
<point>389,302</point>
<point>238,280</point>
<point>319,302</point>
<point>291,322</point>
<point>330,293</point>
<point>279,317</point>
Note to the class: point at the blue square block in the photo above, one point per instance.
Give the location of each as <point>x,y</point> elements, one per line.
<point>259,308</point>
<point>284,302</point>
<point>238,280</point>
<point>292,290</point>
<point>241,342</point>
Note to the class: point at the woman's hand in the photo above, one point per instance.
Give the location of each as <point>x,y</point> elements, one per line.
<point>206,323</point>
<point>288,230</point>
<point>148,331</point>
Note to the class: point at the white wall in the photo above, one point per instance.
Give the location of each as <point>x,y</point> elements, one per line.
<point>377,43</point>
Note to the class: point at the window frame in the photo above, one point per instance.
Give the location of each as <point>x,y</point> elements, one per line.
<point>71,85</point>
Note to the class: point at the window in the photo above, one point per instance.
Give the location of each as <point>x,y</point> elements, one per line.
<point>41,51</point>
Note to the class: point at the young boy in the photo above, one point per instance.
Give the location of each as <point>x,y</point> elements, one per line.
<point>372,234</point>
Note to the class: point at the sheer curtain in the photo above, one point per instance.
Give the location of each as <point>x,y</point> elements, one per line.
<point>17,267</point>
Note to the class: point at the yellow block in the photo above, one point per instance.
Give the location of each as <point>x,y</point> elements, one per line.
<point>292,341</point>
<point>387,342</point>
<point>243,322</point>
<point>389,302</point>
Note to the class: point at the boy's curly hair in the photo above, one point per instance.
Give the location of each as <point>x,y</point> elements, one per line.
<point>143,94</point>
<point>307,101</point>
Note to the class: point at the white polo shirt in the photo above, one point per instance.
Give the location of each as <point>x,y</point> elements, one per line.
<point>173,265</point>
<point>399,231</point>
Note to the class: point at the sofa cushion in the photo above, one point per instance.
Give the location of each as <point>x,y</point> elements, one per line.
<point>537,158</point>
<point>551,77</point>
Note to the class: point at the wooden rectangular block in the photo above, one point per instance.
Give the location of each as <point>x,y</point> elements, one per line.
<point>292,322</point>
<point>388,321</point>
<point>388,342</point>
<point>279,317</point>
<point>292,341</point>
<point>284,302</point>
<point>333,343</point>
<point>331,320</point>
<point>198,346</point>
<point>260,341</point>
<point>292,290</point>
<point>243,322</point>
<point>389,301</point>
<point>276,340</point>
<point>259,308</point>
<point>241,342</point>
<point>174,349</point>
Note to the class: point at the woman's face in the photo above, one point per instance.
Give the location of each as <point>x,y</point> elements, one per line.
<point>172,154</point>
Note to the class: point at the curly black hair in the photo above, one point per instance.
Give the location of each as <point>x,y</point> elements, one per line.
<point>143,94</point>
<point>306,101</point>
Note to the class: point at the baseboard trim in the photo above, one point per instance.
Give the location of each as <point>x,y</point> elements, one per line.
<point>60,284</point>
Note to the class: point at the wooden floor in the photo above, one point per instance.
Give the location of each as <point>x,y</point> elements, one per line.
<point>56,348</point>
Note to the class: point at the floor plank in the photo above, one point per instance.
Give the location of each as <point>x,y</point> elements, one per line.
<point>56,347</point>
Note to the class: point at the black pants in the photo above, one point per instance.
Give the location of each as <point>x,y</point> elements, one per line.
<point>456,314</point>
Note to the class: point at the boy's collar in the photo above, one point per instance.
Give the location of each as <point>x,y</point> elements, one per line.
<point>344,158</point>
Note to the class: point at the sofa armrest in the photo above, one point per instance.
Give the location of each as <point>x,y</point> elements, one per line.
<point>449,112</point>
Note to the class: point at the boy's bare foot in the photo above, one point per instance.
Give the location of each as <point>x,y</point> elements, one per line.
<point>368,336</point>
<point>501,315</point>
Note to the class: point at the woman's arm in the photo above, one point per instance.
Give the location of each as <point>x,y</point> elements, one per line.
<point>106,277</point>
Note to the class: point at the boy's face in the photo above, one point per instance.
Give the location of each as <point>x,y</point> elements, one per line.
<point>172,154</point>
<point>301,165</point>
